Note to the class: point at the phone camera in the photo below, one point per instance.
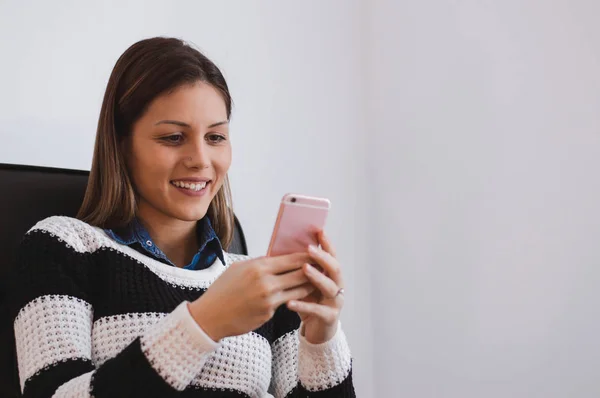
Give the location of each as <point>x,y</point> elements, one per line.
<point>293,200</point>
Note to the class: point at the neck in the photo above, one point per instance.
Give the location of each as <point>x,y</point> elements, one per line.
<point>176,238</point>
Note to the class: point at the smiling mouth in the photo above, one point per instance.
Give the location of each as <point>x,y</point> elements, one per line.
<point>192,186</point>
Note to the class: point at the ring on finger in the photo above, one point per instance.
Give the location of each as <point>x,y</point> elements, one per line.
<point>340,292</point>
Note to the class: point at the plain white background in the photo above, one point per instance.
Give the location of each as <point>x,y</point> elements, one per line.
<point>484,197</point>
<point>459,142</point>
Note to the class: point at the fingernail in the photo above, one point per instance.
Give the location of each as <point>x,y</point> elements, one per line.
<point>312,248</point>
<point>292,304</point>
<point>310,268</point>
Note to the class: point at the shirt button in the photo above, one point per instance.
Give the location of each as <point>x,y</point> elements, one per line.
<point>149,243</point>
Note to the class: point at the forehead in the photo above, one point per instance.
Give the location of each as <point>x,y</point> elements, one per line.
<point>195,104</point>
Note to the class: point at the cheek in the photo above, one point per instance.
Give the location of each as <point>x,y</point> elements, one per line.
<point>149,169</point>
<point>223,161</point>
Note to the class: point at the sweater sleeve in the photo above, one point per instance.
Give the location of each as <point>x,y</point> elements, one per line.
<point>302,369</point>
<point>53,318</point>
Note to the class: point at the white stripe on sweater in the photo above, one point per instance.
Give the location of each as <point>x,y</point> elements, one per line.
<point>322,366</point>
<point>229,367</point>
<point>316,366</point>
<point>78,387</point>
<point>51,329</point>
<point>177,348</point>
<point>111,334</point>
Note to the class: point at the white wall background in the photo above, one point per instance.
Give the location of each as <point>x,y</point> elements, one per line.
<point>484,149</point>
<point>294,70</point>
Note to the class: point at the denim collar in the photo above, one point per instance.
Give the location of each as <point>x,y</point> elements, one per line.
<point>208,242</point>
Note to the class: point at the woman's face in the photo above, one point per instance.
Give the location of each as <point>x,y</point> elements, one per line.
<point>179,152</point>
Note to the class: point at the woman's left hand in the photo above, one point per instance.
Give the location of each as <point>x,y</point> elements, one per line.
<point>320,311</point>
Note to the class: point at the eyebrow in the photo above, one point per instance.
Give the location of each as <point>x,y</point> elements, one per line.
<point>182,124</point>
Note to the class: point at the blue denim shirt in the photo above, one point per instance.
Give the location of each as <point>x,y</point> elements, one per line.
<point>136,236</point>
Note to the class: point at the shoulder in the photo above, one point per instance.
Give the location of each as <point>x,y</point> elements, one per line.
<point>77,234</point>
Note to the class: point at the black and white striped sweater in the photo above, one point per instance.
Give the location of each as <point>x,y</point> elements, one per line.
<point>94,318</point>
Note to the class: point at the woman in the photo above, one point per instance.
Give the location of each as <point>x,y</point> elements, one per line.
<point>137,296</point>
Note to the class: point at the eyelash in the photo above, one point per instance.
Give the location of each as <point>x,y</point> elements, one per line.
<point>220,138</point>
<point>169,139</point>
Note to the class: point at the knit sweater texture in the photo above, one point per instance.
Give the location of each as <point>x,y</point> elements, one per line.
<point>96,318</point>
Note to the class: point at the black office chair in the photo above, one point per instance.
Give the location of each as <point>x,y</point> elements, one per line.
<point>29,194</point>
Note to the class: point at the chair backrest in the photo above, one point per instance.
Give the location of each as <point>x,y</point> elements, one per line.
<point>29,194</point>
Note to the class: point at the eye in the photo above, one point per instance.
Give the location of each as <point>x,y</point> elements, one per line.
<point>215,138</point>
<point>173,139</point>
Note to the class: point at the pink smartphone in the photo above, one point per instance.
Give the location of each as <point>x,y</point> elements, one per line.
<point>299,219</point>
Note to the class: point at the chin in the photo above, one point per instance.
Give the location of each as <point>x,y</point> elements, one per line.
<point>186,213</point>
<point>190,216</point>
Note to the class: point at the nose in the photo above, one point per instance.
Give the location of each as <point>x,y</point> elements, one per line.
<point>197,157</point>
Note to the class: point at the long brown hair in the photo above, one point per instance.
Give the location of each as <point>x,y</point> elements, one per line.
<point>147,69</point>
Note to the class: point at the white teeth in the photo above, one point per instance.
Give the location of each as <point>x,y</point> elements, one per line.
<point>192,186</point>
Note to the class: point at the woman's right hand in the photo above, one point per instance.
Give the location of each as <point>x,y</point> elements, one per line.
<point>247,294</point>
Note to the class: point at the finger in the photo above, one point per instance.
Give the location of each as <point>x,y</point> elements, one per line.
<point>314,297</point>
<point>328,262</point>
<point>296,293</point>
<point>286,263</point>
<point>326,243</point>
<point>321,282</point>
<point>290,279</point>
<point>327,314</point>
